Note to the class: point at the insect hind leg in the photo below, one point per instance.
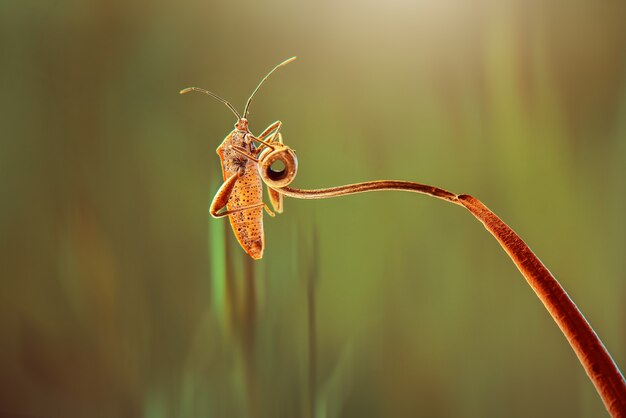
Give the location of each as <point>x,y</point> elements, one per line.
<point>223,194</point>
<point>215,214</point>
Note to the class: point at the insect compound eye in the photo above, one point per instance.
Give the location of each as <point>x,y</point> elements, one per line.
<point>278,167</point>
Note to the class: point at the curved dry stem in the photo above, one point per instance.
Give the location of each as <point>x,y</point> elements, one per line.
<point>592,354</point>
<point>369,186</point>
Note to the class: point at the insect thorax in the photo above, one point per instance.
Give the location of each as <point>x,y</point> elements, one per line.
<point>233,161</point>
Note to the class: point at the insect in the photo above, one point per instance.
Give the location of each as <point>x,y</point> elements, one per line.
<point>245,166</point>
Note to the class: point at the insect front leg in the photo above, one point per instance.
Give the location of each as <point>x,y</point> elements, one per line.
<point>221,199</point>
<point>273,128</point>
<point>243,152</point>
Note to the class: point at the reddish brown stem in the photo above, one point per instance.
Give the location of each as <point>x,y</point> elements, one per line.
<point>592,354</point>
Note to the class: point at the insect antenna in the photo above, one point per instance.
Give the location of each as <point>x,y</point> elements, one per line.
<point>245,110</point>
<point>215,96</point>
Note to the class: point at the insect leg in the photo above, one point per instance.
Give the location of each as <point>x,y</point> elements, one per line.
<point>221,199</point>
<point>268,210</point>
<point>269,130</point>
<point>241,209</point>
<point>223,193</point>
<point>276,198</point>
<point>274,127</point>
<point>276,132</point>
<point>243,152</point>
<point>271,140</point>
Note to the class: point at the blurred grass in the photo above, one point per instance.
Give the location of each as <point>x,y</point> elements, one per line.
<point>116,301</point>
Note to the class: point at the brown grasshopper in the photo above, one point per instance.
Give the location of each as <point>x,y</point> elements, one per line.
<point>243,166</point>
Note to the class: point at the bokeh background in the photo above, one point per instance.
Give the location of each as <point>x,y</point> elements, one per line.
<point>121,297</point>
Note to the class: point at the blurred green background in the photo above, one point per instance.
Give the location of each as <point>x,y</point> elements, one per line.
<point>121,297</point>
